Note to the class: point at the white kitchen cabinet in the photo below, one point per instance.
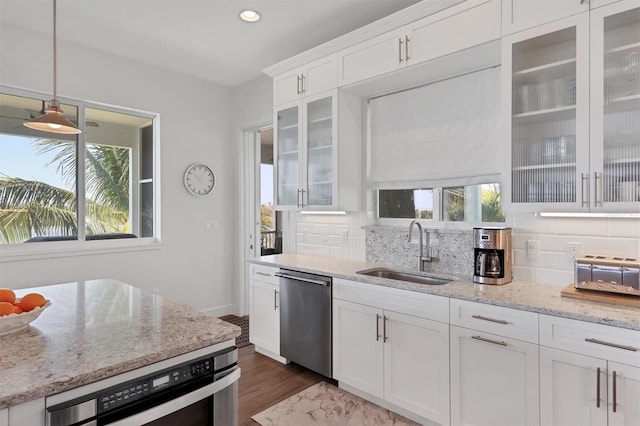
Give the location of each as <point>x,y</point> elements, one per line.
<point>518,15</point>
<point>434,36</point>
<point>264,327</point>
<point>4,417</point>
<point>317,147</point>
<point>573,128</point>
<point>400,359</point>
<point>30,413</point>
<point>494,365</point>
<point>585,371</point>
<point>311,79</point>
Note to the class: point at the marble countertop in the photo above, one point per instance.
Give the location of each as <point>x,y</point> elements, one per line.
<point>527,296</point>
<point>97,329</point>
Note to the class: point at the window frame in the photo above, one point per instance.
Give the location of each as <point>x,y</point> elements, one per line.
<point>438,214</point>
<point>81,246</point>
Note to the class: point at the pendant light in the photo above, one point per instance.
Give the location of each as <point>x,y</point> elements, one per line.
<point>52,120</point>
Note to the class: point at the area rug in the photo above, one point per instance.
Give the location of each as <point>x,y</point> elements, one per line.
<point>325,404</point>
<point>243,323</point>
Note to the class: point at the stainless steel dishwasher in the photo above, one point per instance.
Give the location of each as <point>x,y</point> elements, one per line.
<point>305,320</point>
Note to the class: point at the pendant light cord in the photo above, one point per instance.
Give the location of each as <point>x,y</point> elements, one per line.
<point>55,77</point>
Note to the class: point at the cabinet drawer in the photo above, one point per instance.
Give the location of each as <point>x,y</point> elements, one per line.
<point>403,301</point>
<point>596,340</point>
<point>266,274</point>
<point>521,325</point>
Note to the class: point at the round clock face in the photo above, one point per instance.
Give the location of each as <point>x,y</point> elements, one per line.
<point>199,179</point>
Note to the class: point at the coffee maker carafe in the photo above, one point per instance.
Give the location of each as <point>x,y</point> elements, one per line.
<point>492,255</point>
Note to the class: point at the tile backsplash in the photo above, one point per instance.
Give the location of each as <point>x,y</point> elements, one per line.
<point>349,236</point>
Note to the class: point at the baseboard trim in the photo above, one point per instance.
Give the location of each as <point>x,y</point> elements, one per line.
<point>272,355</point>
<point>219,311</point>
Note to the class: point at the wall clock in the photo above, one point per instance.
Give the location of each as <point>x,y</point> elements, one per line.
<point>199,179</point>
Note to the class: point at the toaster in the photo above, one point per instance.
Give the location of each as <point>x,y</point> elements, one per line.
<point>619,275</point>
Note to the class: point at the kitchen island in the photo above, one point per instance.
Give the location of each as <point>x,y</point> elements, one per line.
<point>95,330</point>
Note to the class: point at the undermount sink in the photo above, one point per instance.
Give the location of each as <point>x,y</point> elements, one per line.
<point>414,277</point>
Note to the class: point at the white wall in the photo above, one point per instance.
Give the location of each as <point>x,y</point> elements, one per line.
<point>192,266</point>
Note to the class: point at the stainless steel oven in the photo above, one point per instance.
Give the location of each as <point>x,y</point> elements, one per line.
<point>194,392</point>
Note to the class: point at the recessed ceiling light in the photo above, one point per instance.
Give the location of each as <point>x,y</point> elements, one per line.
<point>250,16</point>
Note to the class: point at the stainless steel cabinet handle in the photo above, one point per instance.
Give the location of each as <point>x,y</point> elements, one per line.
<point>377,327</point>
<point>298,199</point>
<point>598,388</point>
<point>406,48</point>
<point>275,300</point>
<point>384,328</point>
<point>480,317</point>
<point>304,280</point>
<point>613,345</point>
<point>302,191</point>
<point>596,202</point>
<point>304,89</point>
<point>264,274</point>
<point>483,339</point>
<point>298,91</point>
<point>615,392</point>
<point>400,50</point>
<point>585,200</point>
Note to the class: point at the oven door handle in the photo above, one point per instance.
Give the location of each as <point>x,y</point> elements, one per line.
<point>179,403</point>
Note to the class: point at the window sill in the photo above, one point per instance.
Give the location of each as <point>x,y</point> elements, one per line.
<point>57,249</point>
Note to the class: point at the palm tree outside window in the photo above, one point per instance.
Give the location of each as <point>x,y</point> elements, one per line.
<point>45,196</point>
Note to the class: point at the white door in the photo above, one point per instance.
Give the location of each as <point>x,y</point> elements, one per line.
<point>288,155</point>
<point>624,395</point>
<point>416,365</point>
<point>522,14</point>
<point>357,346</point>
<point>287,87</point>
<point>264,327</point>
<point>494,380</point>
<point>573,389</point>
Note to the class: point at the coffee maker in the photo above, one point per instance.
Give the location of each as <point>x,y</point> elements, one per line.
<point>492,255</point>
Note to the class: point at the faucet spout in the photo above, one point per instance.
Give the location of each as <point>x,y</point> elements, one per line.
<point>421,258</point>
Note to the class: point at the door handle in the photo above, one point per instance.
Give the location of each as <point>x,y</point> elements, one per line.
<point>302,191</point>
<point>275,300</point>
<point>406,48</point>
<point>483,339</point>
<point>585,200</point>
<point>480,317</point>
<point>298,199</point>
<point>298,85</point>
<point>377,327</point>
<point>598,387</point>
<point>615,392</point>
<point>400,50</point>
<point>596,202</point>
<point>304,90</point>
<point>384,328</point>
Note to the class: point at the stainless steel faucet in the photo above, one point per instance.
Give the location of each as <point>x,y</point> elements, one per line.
<point>422,259</point>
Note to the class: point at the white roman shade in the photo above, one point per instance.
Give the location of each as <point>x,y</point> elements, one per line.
<point>442,134</point>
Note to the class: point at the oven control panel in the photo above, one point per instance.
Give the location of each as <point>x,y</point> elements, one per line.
<point>132,391</point>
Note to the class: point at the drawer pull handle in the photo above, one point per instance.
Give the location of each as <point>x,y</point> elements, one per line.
<point>480,317</point>
<point>615,395</point>
<point>377,327</point>
<point>598,388</point>
<point>384,328</point>
<point>613,345</point>
<point>264,274</point>
<point>495,342</point>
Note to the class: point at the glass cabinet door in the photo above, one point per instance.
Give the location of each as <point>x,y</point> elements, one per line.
<point>319,152</point>
<point>288,157</point>
<point>544,118</point>
<point>617,154</point>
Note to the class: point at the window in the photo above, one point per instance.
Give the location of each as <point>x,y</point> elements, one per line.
<point>472,203</point>
<point>46,196</point>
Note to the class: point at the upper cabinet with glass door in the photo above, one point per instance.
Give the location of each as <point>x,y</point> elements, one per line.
<point>318,161</point>
<point>615,106</point>
<point>572,89</point>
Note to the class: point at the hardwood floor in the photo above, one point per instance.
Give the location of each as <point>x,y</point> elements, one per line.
<point>265,382</point>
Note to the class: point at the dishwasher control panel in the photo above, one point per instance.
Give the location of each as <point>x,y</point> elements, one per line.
<point>134,390</point>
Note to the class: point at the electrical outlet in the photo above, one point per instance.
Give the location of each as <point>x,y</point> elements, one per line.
<point>533,249</point>
<point>573,250</point>
<point>211,225</point>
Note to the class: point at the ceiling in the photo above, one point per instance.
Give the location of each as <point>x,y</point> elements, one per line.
<point>202,38</point>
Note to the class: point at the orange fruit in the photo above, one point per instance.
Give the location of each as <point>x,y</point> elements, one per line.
<point>31,301</point>
<point>6,308</point>
<point>7,295</point>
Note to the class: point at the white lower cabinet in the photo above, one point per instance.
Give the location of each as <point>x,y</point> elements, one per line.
<point>591,387</point>
<point>264,327</point>
<point>4,417</point>
<point>494,379</point>
<point>30,413</point>
<point>400,359</point>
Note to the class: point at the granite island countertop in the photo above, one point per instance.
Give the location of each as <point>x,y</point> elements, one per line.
<point>527,296</point>
<point>97,329</point>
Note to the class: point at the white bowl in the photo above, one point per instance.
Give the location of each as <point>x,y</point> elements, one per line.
<point>15,322</point>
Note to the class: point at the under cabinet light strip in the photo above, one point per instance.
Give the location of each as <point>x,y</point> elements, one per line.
<point>329,212</point>
<point>591,215</point>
